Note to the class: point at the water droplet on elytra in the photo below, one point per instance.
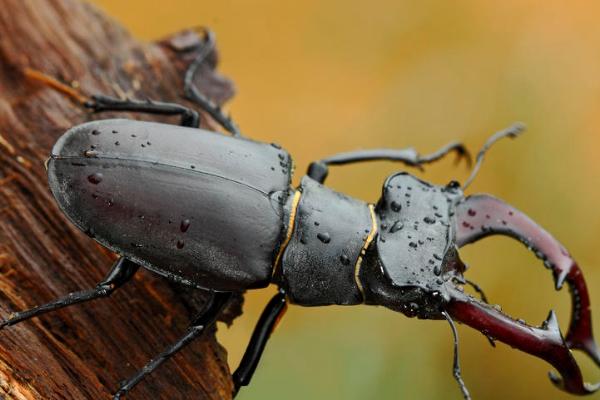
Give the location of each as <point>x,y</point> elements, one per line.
<point>90,153</point>
<point>429,220</point>
<point>185,225</point>
<point>95,178</point>
<point>396,207</point>
<point>324,237</point>
<point>413,245</point>
<point>180,244</point>
<point>344,259</point>
<point>95,132</point>
<point>117,143</point>
<point>437,270</point>
<point>472,212</point>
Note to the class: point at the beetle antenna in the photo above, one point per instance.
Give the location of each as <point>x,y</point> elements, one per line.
<point>456,365</point>
<point>512,131</point>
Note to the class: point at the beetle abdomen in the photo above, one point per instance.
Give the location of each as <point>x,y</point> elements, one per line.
<point>199,207</point>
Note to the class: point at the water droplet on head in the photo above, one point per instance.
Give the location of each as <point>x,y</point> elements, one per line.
<point>324,237</point>
<point>95,178</point>
<point>185,225</point>
<point>398,225</point>
<point>396,207</point>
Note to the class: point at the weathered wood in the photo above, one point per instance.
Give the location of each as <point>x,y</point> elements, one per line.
<point>82,352</point>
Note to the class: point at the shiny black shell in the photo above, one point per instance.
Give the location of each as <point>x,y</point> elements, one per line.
<point>198,207</point>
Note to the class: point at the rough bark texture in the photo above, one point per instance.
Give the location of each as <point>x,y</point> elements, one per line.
<point>84,351</point>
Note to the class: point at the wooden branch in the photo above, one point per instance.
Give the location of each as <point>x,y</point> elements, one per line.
<point>84,351</point>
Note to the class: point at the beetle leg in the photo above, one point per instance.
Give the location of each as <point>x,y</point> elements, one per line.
<point>99,103</point>
<point>121,272</point>
<point>269,318</point>
<point>205,319</point>
<point>545,342</point>
<point>192,93</point>
<point>318,170</point>
<point>481,215</point>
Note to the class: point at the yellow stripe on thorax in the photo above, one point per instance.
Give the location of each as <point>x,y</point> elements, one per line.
<point>366,245</point>
<point>290,230</point>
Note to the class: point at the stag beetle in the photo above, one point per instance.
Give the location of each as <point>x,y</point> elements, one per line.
<point>218,213</point>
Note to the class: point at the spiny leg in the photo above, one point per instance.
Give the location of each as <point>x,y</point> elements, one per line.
<point>318,170</point>
<point>100,103</point>
<point>205,319</point>
<point>456,363</point>
<point>121,272</point>
<point>265,326</point>
<point>192,93</point>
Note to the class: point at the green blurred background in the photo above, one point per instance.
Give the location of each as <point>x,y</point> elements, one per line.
<point>326,76</point>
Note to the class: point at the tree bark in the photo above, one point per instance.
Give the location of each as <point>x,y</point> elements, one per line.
<point>84,351</point>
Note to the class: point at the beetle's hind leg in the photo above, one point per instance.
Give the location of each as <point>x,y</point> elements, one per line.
<point>192,92</point>
<point>100,103</point>
<point>206,318</point>
<point>120,273</point>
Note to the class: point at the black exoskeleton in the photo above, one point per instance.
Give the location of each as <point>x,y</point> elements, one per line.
<point>219,213</point>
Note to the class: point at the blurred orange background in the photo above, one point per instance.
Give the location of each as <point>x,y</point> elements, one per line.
<point>321,77</point>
